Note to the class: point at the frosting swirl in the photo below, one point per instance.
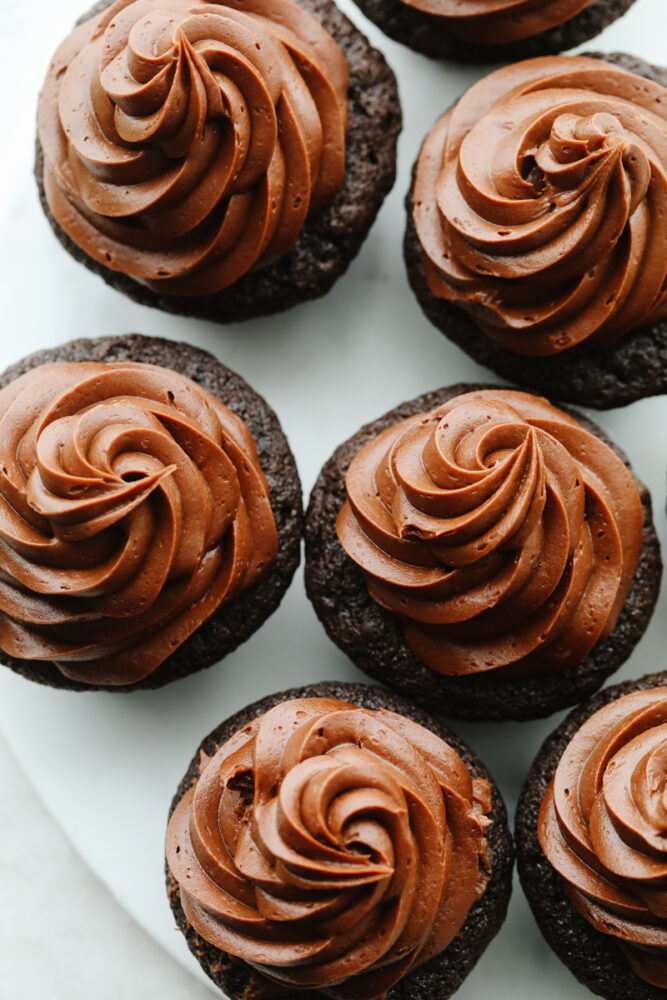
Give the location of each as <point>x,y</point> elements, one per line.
<point>495,22</point>
<point>603,826</point>
<point>331,847</point>
<point>538,202</point>
<point>186,141</point>
<point>132,505</point>
<point>503,534</point>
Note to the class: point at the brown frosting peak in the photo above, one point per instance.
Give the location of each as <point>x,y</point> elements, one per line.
<point>603,826</point>
<point>331,847</point>
<point>495,22</point>
<point>503,534</point>
<point>185,143</point>
<point>537,204</point>
<point>132,505</point>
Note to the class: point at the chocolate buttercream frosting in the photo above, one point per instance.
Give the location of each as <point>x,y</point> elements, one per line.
<point>538,203</point>
<point>185,143</point>
<point>603,826</point>
<point>503,534</point>
<point>495,22</point>
<point>331,847</point>
<point>132,505</point>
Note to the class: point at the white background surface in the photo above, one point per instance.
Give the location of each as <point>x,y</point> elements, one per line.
<point>106,765</point>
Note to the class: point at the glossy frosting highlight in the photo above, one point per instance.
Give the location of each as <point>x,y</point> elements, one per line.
<point>185,143</point>
<point>132,506</point>
<point>603,826</point>
<point>495,22</point>
<point>331,847</point>
<point>539,204</point>
<point>503,534</point>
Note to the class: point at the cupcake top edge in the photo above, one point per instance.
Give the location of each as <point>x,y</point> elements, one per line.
<point>331,847</point>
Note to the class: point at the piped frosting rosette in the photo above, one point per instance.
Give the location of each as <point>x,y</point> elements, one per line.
<point>603,826</point>
<point>503,534</point>
<point>495,22</point>
<point>132,505</point>
<point>185,143</point>
<point>331,847</point>
<point>539,200</point>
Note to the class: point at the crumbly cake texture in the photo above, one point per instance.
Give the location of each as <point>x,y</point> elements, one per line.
<point>372,637</point>
<point>236,621</point>
<point>330,239</point>
<point>594,958</point>
<point>427,34</point>
<point>603,377</point>
<point>437,979</point>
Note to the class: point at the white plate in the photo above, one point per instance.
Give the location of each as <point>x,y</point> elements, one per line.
<point>106,765</point>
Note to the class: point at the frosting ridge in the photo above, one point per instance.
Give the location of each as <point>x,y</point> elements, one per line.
<point>185,143</point>
<point>331,847</point>
<point>503,534</point>
<point>603,826</point>
<point>132,505</point>
<point>537,202</point>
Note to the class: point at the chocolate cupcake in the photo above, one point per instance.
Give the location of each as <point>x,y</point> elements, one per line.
<point>590,829</point>
<point>151,513</point>
<point>492,30</point>
<point>536,239</point>
<point>222,159</point>
<point>336,841</point>
<point>484,553</point>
